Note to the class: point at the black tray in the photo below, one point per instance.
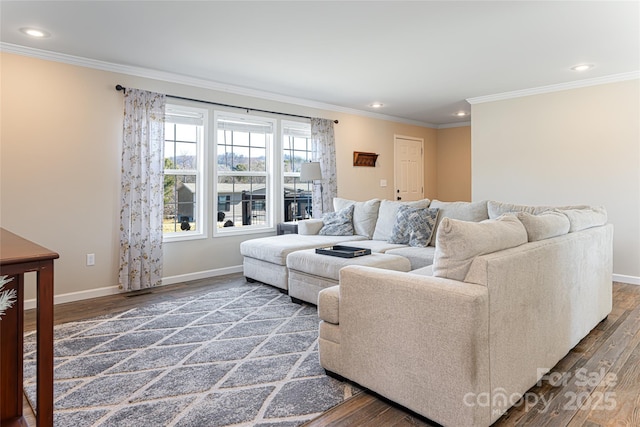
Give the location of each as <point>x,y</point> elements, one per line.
<point>343,251</point>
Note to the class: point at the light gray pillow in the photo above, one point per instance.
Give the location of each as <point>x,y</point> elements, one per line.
<point>459,242</point>
<point>464,211</point>
<point>581,219</point>
<point>387,216</point>
<point>545,225</point>
<point>365,214</point>
<point>495,209</point>
<point>414,226</point>
<point>338,223</point>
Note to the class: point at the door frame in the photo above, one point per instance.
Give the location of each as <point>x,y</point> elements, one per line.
<point>396,137</point>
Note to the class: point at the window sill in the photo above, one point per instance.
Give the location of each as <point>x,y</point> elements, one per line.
<point>180,237</point>
<point>231,231</point>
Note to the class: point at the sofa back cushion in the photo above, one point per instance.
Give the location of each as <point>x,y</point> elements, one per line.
<point>545,225</point>
<point>495,209</point>
<point>458,243</point>
<point>581,219</point>
<point>464,211</point>
<point>365,215</point>
<point>387,216</point>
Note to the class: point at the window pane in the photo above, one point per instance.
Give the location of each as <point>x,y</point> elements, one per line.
<point>258,160</point>
<point>301,144</point>
<point>258,140</point>
<point>225,157</point>
<point>297,199</point>
<point>169,154</point>
<point>242,201</point>
<point>180,197</point>
<point>186,155</point>
<point>169,131</point>
<point>186,133</point>
<point>241,138</point>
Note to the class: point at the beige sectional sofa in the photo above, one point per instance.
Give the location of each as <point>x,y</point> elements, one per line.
<point>265,259</point>
<point>461,341</point>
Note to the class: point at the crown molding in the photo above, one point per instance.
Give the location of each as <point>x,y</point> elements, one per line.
<point>454,125</point>
<point>556,88</point>
<point>196,82</point>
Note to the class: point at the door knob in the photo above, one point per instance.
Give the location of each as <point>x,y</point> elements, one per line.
<point>399,198</point>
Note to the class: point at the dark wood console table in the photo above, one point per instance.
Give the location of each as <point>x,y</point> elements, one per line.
<point>19,256</point>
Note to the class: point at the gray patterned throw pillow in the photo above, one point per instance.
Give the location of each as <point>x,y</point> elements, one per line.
<point>414,226</point>
<point>338,223</point>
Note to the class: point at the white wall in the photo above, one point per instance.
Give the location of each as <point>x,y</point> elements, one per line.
<point>60,154</point>
<point>569,147</point>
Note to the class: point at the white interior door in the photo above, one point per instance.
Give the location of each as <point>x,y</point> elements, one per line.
<point>408,167</point>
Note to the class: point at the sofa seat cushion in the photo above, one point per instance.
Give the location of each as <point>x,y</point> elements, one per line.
<point>328,267</point>
<point>365,214</point>
<point>418,257</point>
<point>464,211</point>
<point>378,246</point>
<point>275,249</point>
<point>458,243</point>
<point>424,271</point>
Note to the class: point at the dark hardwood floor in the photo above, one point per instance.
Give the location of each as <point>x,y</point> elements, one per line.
<point>608,358</point>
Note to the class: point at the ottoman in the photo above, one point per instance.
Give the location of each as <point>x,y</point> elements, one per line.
<point>309,272</point>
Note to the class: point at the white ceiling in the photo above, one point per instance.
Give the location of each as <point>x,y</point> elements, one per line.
<point>421,59</point>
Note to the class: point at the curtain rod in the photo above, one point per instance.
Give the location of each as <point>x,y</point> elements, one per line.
<point>123,89</point>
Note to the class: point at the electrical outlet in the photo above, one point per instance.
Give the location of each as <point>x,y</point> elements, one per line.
<point>383,183</point>
<point>91,259</point>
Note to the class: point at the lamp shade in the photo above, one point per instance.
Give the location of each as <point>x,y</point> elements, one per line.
<point>310,171</point>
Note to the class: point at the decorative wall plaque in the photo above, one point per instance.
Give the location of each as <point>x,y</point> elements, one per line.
<point>364,159</point>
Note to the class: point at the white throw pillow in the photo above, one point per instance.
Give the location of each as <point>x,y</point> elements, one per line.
<point>459,242</point>
<point>464,211</point>
<point>387,216</point>
<point>545,225</point>
<point>365,214</point>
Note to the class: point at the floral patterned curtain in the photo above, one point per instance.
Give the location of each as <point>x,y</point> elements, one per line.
<point>142,190</point>
<point>323,146</point>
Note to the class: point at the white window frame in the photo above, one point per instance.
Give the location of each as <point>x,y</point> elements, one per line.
<point>201,173</point>
<point>270,172</point>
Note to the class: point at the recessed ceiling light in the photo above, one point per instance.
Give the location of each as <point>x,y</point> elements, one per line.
<point>461,114</point>
<point>582,67</point>
<point>34,32</point>
<point>376,105</point>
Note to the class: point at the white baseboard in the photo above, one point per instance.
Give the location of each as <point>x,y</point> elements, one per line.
<point>111,290</point>
<point>76,296</point>
<point>201,275</point>
<point>631,280</point>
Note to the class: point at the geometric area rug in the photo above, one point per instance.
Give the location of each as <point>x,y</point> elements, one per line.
<point>243,356</point>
